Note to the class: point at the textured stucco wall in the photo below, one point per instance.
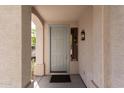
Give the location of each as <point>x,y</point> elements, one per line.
<point>15,47</point>
<point>39,66</point>
<point>74,67</point>
<point>98,58</point>
<point>117,45</point>
<point>107,48</point>
<point>91,57</point>
<point>26,45</point>
<point>108,38</point>
<point>10,46</point>
<point>86,47</point>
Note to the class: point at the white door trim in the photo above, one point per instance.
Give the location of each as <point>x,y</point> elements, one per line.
<point>68,48</point>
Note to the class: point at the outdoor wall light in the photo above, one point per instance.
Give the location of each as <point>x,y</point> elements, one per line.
<point>82,35</point>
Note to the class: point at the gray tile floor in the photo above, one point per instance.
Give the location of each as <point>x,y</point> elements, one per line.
<point>43,82</point>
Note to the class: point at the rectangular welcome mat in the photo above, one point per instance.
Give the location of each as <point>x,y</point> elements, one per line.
<point>60,79</point>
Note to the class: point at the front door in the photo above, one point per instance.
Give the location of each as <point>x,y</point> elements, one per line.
<point>59,46</point>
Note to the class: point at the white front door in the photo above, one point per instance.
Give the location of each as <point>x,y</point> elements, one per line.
<point>59,46</point>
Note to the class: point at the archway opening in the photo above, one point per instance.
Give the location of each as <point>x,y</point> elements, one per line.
<point>37,47</point>
<point>33,47</point>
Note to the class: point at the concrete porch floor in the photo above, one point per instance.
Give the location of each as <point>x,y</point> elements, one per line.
<point>43,82</point>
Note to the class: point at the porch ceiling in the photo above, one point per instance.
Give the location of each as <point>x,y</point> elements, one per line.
<point>60,13</point>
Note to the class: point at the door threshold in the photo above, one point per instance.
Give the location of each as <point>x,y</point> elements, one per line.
<point>58,71</point>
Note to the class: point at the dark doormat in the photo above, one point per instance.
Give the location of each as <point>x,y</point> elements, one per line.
<point>60,79</point>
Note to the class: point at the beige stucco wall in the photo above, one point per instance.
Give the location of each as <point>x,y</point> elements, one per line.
<point>101,54</point>
<point>98,65</point>
<point>112,47</point>
<point>117,45</point>
<point>107,48</point>
<point>107,34</point>
<point>39,66</point>
<point>91,51</point>
<point>26,45</point>
<point>86,47</point>
<point>10,38</point>
<point>14,55</point>
<point>73,68</point>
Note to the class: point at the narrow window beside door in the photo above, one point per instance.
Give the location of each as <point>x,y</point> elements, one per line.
<point>74,45</point>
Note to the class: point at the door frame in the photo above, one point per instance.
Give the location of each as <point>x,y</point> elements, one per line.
<point>68,47</point>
